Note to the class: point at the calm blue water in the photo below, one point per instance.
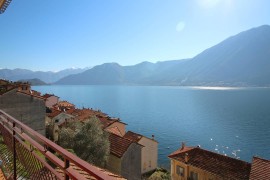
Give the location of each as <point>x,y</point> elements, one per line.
<point>235,119</point>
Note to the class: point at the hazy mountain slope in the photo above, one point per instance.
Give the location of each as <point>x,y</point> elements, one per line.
<point>34,82</point>
<point>48,77</point>
<point>241,60</point>
<point>144,73</point>
<point>108,73</point>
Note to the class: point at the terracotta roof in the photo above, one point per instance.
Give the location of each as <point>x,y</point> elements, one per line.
<point>65,104</point>
<point>82,114</point>
<point>48,95</point>
<point>114,130</point>
<point>36,93</point>
<point>31,93</point>
<point>260,169</point>
<point>87,176</point>
<point>181,150</point>
<point>54,113</point>
<point>133,136</point>
<point>118,144</point>
<point>106,120</point>
<point>220,165</point>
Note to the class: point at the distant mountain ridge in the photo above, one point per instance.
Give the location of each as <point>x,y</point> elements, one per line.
<point>240,60</point>
<point>47,77</point>
<point>34,82</point>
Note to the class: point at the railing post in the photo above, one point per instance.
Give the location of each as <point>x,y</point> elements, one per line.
<point>66,166</point>
<point>14,152</point>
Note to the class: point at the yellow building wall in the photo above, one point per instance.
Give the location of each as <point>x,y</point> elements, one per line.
<point>202,175</point>
<point>149,154</point>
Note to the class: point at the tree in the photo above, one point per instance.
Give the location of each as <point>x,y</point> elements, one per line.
<point>88,141</point>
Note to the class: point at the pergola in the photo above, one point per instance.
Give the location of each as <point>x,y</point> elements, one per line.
<point>3,5</point>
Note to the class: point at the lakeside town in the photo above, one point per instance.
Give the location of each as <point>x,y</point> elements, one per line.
<point>131,155</point>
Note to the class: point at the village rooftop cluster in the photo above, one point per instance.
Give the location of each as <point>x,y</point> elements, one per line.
<point>131,154</point>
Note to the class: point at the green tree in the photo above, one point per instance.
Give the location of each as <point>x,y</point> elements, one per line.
<point>88,141</point>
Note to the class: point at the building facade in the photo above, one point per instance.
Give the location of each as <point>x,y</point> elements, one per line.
<point>24,105</point>
<point>194,163</point>
<point>125,157</point>
<point>149,156</point>
<point>51,100</point>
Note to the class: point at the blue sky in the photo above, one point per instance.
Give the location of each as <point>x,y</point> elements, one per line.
<point>54,35</point>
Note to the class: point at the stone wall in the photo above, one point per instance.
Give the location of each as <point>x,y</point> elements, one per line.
<point>26,108</point>
<point>131,162</point>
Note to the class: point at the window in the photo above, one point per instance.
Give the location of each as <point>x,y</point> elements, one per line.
<point>193,175</point>
<point>180,171</point>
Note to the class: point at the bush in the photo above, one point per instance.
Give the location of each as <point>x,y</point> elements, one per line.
<point>88,141</point>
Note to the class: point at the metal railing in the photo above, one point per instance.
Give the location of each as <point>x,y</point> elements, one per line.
<point>4,6</point>
<point>29,155</point>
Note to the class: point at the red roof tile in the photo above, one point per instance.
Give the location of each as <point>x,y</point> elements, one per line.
<point>260,169</point>
<point>118,144</point>
<point>82,114</point>
<point>223,166</point>
<point>30,93</point>
<point>54,113</point>
<point>48,95</point>
<point>133,136</point>
<point>114,130</point>
<point>106,120</point>
<point>65,104</point>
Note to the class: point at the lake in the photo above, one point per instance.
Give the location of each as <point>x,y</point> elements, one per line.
<point>231,121</point>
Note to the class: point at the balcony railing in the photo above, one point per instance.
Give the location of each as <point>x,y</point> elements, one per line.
<point>3,5</point>
<point>27,154</point>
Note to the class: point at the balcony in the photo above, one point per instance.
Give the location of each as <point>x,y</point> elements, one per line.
<point>26,154</point>
<point>3,5</point>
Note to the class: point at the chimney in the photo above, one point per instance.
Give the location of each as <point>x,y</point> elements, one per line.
<point>183,145</point>
<point>186,158</point>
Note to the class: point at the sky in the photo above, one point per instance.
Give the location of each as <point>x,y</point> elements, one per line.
<point>55,35</point>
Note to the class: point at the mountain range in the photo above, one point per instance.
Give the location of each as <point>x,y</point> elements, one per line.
<point>45,76</point>
<point>240,60</point>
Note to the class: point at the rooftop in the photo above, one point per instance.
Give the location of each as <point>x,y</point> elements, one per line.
<point>260,169</point>
<point>133,136</point>
<point>106,120</point>
<point>114,130</point>
<point>214,163</point>
<point>65,104</point>
<point>54,113</point>
<point>48,95</point>
<point>85,113</point>
<point>118,144</point>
